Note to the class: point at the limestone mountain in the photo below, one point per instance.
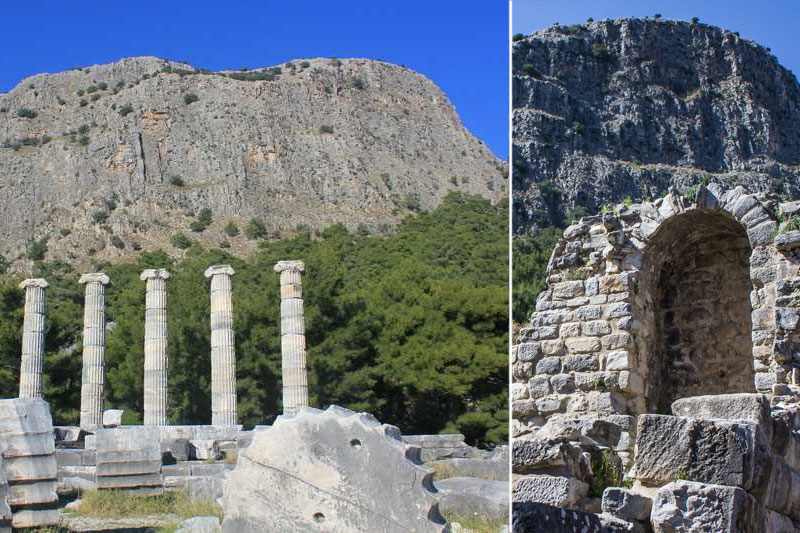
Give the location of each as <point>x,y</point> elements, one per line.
<point>631,107</point>
<point>98,162</point>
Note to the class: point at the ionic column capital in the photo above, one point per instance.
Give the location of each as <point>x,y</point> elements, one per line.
<point>95,277</point>
<point>154,273</point>
<point>293,266</point>
<point>34,282</point>
<point>216,270</point>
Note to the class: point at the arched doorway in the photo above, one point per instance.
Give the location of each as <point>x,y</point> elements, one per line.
<point>694,307</point>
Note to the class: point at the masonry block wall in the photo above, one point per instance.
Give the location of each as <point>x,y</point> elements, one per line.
<point>663,300</point>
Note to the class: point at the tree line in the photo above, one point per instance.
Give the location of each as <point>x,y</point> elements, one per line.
<point>411,327</point>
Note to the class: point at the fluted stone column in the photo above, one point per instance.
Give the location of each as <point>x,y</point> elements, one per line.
<point>94,347</point>
<point>223,352</point>
<point>155,347</point>
<point>30,372</point>
<point>293,337</point>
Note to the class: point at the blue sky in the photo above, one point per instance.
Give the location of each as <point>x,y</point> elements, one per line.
<point>770,23</point>
<point>461,46</point>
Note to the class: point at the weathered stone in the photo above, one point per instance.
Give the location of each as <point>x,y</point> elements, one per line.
<point>709,451</point>
<point>112,418</point>
<point>329,478</point>
<point>582,345</point>
<point>528,352</point>
<point>551,490</point>
<point>563,383</point>
<point>539,386</point>
<point>532,517</point>
<point>754,407</point>
<point>204,488</point>
<point>594,328</point>
<point>205,449</point>
<point>128,457</point>
<point>626,505</point>
<point>689,506</point>
<point>580,363</point>
<point>619,360</point>
<point>519,391</point>
<point>548,456</point>
<point>200,524</point>
<point>471,497</point>
<point>549,365</point>
<point>788,241</point>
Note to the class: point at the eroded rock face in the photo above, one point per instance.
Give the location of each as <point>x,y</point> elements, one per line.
<point>630,107</point>
<point>335,470</point>
<point>323,142</point>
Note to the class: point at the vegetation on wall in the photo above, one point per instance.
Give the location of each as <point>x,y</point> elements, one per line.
<point>411,327</point>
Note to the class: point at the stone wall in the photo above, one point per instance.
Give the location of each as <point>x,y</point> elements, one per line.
<point>656,301</point>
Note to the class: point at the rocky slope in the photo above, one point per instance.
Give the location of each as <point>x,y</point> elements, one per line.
<point>100,161</point>
<point>631,107</point>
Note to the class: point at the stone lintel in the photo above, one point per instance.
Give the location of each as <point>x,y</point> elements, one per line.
<point>297,266</point>
<point>154,273</point>
<point>215,270</point>
<point>96,277</point>
<point>33,282</point>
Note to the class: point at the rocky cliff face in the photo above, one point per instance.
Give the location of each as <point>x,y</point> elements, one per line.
<point>632,107</point>
<point>108,159</point>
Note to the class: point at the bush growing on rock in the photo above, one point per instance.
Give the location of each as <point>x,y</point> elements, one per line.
<point>24,112</point>
<point>255,229</point>
<point>231,229</point>
<point>190,98</point>
<point>180,241</point>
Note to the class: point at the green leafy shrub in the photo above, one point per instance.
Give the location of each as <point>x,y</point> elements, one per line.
<point>180,241</point>
<point>24,112</point>
<point>518,37</point>
<point>326,129</point>
<point>125,110</point>
<point>36,249</point>
<point>99,216</point>
<point>176,181</point>
<point>190,98</point>
<point>231,229</point>
<point>203,220</point>
<point>600,52</point>
<point>255,229</point>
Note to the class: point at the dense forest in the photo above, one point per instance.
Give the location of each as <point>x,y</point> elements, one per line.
<point>411,327</point>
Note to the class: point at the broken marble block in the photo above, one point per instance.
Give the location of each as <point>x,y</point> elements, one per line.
<point>552,490</point>
<point>624,504</point>
<point>691,506</point>
<point>335,469</point>
<point>128,457</point>
<point>479,499</point>
<point>112,418</point>
<point>724,452</point>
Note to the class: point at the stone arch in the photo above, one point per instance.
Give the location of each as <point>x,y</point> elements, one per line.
<point>694,309</point>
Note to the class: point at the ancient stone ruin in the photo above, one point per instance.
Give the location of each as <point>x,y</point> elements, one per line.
<point>335,469</point>
<point>661,367</point>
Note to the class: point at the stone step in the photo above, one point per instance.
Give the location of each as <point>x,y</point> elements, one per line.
<point>31,468</point>
<point>127,468</point>
<point>129,482</point>
<point>32,493</point>
<point>35,518</point>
